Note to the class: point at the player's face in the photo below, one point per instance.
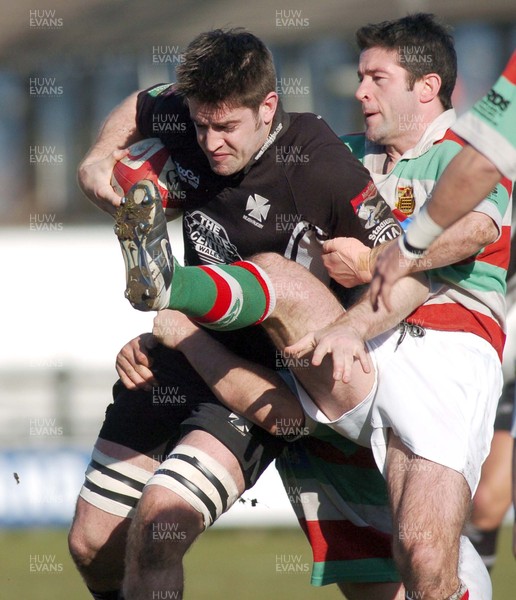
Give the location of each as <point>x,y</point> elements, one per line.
<point>390,108</point>
<point>231,136</point>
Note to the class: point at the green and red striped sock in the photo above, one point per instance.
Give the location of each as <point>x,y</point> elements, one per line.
<point>223,297</point>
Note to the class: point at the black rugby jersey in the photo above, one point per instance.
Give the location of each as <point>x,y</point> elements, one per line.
<point>302,187</point>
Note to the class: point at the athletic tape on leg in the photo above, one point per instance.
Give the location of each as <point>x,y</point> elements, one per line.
<point>113,485</point>
<point>199,479</point>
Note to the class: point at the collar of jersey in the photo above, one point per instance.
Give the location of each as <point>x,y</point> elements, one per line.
<point>433,133</point>
<point>280,124</point>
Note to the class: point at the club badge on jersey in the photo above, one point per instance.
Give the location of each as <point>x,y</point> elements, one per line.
<point>406,202</point>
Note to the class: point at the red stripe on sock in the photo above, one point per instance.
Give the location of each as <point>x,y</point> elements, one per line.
<point>222,300</point>
<point>251,267</point>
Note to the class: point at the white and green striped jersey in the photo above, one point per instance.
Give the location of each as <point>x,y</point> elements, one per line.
<point>466,296</point>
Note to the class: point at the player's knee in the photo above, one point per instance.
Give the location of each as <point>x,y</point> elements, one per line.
<point>165,525</point>
<point>81,548</point>
<point>93,549</point>
<point>96,541</point>
<point>193,485</point>
<point>421,562</point>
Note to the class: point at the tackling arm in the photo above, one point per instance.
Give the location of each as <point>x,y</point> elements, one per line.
<point>359,324</point>
<point>117,133</point>
<point>247,388</point>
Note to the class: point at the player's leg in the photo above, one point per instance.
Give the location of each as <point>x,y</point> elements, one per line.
<point>429,503</point>
<point>219,456</point>
<point>493,497</point>
<point>435,450</point>
<point>341,501</point>
<point>133,436</point>
<point>166,524</point>
<point>138,421</point>
<point>303,303</point>
<point>228,296</point>
<point>97,537</point>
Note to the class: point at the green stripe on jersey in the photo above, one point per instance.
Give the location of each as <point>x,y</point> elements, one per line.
<point>353,483</point>
<point>478,275</point>
<point>360,570</point>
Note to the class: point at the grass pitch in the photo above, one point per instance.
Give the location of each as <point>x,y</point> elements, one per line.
<point>226,564</point>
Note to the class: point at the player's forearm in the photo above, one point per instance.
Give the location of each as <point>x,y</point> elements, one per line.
<point>460,241</point>
<point>468,179</point>
<point>246,388</point>
<point>118,131</point>
<point>407,294</point>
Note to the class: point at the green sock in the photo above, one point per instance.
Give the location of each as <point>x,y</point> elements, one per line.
<point>223,296</point>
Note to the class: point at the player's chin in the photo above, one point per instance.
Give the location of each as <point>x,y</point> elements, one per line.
<point>225,169</point>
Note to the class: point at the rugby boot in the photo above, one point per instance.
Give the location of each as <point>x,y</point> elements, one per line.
<point>141,229</point>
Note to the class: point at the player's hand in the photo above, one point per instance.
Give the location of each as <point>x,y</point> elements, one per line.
<point>347,261</point>
<point>342,342</point>
<point>390,266</point>
<point>94,178</point>
<point>134,365</point>
<point>172,327</point>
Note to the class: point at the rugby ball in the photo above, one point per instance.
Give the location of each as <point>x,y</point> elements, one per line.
<point>149,159</point>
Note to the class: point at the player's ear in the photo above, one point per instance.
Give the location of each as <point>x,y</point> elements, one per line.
<point>430,86</point>
<point>268,107</point>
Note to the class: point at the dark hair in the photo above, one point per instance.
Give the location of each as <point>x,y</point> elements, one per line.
<point>423,46</point>
<point>231,67</point>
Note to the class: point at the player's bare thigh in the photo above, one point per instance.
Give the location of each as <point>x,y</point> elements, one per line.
<point>305,304</point>
<point>101,524</point>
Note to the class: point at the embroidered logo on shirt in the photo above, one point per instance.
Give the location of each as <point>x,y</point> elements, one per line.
<point>406,202</point>
<point>257,208</point>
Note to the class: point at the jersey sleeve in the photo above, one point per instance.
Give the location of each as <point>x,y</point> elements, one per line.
<point>495,205</point>
<point>490,125</point>
<point>162,114</point>
<point>335,190</point>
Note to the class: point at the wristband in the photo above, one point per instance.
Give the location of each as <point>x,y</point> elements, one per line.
<point>422,231</point>
<point>409,251</point>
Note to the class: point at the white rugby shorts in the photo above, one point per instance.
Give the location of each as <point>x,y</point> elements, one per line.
<point>438,393</point>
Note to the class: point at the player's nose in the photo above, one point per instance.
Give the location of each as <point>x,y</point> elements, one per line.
<point>362,92</point>
<point>213,140</point>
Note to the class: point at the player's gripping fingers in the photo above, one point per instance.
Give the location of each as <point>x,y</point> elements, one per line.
<point>133,363</point>
<point>344,361</point>
<point>133,377</point>
<point>347,261</point>
<point>345,346</point>
<point>94,178</point>
<point>322,349</point>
